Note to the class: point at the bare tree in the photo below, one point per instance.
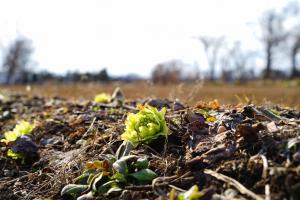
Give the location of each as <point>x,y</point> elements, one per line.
<point>273,35</point>
<point>167,72</point>
<point>294,52</point>
<point>211,47</point>
<point>241,60</point>
<point>235,62</point>
<point>292,10</point>
<point>17,58</point>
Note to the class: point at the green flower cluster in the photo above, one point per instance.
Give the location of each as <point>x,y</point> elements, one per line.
<point>145,126</point>
<point>22,128</point>
<point>102,98</point>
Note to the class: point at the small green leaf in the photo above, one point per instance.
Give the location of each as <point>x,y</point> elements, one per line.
<point>114,190</point>
<point>88,196</point>
<point>192,194</point>
<point>142,163</point>
<point>91,178</point>
<point>124,149</point>
<point>82,179</point>
<point>14,155</point>
<point>120,166</point>
<point>119,177</point>
<point>73,190</point>
<point>97,181</point>
<point>105,187</point>
<point>144,175</point>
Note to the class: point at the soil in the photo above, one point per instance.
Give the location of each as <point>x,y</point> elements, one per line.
<point>251,146</point>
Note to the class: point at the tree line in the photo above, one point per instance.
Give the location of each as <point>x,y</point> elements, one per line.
<point>279,37</point>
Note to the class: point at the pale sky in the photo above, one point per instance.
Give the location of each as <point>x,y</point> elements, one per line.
<point>126,36</point>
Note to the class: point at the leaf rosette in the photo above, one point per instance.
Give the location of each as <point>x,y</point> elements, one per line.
<point>146,125</point>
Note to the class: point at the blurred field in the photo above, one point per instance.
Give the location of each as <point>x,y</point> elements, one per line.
<point>282,93</point>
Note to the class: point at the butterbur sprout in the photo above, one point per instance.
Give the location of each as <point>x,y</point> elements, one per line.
<point>102,98</point>
<point>148,124</point>
<point>23,145</point>
<point>22,128</point>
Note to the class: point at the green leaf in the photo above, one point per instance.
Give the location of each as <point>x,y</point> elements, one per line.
<point>82,179</point>
<point>97,181</point>
<point>118,177</point>
<point>73,190</point>
<point>114,190</point>
<point>124,149</point>
<point>192,194</point>
<point>142,163</point>
<point>105,187</point>
<point>14,155</point>
<point>144,175</point>
<point>88,196</point>
<point>91,178</point>
<point>10,136</point>
<point>121,164</point>
<point>110,158</point>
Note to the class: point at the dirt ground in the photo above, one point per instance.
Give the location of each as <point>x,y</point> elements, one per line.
<point>238,151</point>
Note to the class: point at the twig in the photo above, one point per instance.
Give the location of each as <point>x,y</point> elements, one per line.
<point>90,128</point>
<point>267,192</point>
<point>265,166</point>
<point>177,188</point>
<point>234,183</point>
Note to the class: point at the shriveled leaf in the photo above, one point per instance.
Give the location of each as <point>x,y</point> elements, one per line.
<point>102,165</point>
<point>211,105</point>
